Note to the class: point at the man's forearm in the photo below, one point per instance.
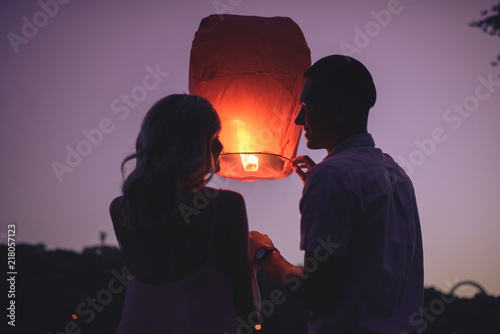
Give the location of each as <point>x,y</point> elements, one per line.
<point>314,288</point>
<point>289,277</point>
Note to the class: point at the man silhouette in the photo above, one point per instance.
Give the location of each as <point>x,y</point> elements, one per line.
<point>360,230</point>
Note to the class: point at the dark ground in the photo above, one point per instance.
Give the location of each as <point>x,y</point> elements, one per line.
<point>52,286</point>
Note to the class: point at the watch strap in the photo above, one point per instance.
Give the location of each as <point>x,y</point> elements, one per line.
<point>266,254</point>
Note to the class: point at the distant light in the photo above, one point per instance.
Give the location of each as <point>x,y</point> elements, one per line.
<point>74,316</point>
<point>258,327</point>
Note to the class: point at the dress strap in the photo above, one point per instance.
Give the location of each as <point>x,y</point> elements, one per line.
<point>212,223</point>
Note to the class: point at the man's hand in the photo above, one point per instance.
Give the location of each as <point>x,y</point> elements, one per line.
<point>258,240</point>
<point>300,163</point>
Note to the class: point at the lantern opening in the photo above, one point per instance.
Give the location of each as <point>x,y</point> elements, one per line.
<point>269,166</point>
<point>250,162</point>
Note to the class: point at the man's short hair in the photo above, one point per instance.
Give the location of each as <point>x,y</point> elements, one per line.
<point>344,75</point>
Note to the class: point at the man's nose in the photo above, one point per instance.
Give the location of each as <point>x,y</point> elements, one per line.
<point>300,119</point>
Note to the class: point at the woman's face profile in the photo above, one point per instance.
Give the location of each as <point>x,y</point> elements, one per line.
<point>216,148</point>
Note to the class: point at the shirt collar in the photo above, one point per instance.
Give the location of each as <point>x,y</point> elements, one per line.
<point>360,139</point>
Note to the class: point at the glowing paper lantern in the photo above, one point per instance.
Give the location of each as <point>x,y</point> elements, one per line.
<point>251,69</point>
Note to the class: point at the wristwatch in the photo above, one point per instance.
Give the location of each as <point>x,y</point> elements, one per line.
<point>262,253</point>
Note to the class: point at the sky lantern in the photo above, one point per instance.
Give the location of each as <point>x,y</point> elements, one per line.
<point>251,69</point>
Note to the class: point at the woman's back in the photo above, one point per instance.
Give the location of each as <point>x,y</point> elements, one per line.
<point>186,275</point>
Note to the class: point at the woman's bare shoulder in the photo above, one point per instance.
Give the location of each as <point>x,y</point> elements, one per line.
<point>228,194</point>
<point>115,206</point>
<point>116,201</point>
<point>230,204</point>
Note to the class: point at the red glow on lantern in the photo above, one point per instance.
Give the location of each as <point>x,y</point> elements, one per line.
<point>251,69</point>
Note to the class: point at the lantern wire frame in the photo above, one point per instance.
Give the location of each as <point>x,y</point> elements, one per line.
<point>253,153</point>
<point>271,166</point>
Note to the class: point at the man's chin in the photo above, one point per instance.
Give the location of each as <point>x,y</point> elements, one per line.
<point>312,145</point>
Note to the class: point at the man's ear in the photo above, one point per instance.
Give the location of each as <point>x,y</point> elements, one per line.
<point>341,105</point>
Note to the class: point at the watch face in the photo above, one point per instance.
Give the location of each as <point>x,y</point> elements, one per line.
<point>259,254</point>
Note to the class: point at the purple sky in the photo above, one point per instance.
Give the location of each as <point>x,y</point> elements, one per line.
<point>69,75</point>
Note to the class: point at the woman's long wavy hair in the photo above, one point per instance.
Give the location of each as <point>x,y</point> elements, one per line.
<point>173,157</point>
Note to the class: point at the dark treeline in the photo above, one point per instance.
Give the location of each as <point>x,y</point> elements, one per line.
<point>67,292</point>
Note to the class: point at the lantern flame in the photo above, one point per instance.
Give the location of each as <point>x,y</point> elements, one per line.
<point>250,162</point>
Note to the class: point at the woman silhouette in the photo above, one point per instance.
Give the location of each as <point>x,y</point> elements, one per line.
<point>184,245</point>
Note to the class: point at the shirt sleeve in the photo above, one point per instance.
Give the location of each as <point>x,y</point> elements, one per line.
<point>326,209</point>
